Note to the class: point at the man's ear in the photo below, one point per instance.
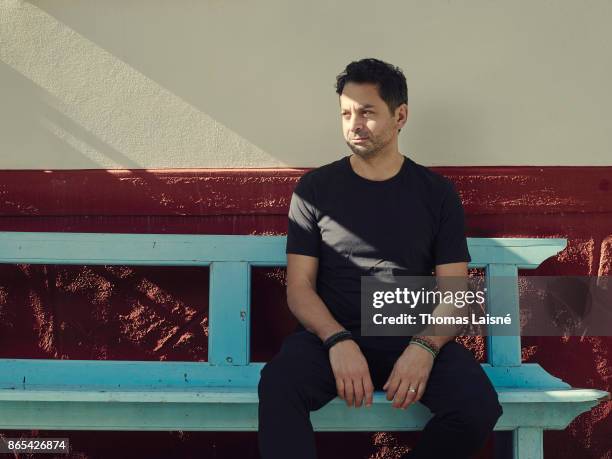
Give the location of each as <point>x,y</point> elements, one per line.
<point>404,111</point>
<point>401,113</point>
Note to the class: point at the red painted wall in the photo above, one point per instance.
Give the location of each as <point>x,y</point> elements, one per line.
<point>139,313</point>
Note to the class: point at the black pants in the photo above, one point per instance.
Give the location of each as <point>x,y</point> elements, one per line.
<point>299,379</point>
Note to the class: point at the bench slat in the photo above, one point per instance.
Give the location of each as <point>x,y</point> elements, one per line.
<point>202,249</point>
<point>229,313</point>
<point>32,373</point>
<point>502,299</point>
<point>19,373</point>
<point>248,394</point>
<point>139,249</point>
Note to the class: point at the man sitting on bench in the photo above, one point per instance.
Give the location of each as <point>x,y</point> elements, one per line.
<point>373,213</point>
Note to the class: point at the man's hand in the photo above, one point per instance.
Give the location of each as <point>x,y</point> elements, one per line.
<point>411,370</point>
<point>352,373</point>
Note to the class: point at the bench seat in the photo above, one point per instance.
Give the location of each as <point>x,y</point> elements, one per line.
<point>235,408</point>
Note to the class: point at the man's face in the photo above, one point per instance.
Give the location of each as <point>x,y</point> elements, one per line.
<point>367,124</point>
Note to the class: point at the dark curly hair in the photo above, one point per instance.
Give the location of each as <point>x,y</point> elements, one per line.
<point>389,79</point>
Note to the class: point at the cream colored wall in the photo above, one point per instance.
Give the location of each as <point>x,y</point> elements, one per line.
<point>187,84</point>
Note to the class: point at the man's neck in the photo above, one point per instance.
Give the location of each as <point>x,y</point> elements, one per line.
<point>379,167</point>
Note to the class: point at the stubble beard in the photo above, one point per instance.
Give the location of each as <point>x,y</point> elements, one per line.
<point>368,151</point>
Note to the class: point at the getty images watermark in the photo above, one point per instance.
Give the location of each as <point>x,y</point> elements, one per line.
<point>500,306</point>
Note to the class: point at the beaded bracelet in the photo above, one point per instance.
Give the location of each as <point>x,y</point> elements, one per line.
<point>426,344</point>
<point>336,338</point>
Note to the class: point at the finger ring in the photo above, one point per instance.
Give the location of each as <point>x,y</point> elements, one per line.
<point>412,390</point>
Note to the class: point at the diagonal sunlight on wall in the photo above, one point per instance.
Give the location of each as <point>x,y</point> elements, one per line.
<point>119,105</point>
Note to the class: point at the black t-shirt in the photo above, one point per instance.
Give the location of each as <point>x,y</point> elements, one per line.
<point>402,226</point>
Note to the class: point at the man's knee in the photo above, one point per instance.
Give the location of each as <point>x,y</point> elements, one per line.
<point>277,380</point>
<point>271,380</point>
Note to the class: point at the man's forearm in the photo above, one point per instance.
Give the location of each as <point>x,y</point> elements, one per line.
<point>310,310</point>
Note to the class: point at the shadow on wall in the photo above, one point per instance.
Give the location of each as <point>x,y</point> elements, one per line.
<point>106,109</point>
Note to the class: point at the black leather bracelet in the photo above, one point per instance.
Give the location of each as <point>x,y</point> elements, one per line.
<point>336,338</point>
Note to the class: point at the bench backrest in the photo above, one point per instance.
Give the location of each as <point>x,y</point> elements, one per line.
<point>229,258</point>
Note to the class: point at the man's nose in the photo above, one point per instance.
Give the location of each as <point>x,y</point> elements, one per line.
<point>356,124</point>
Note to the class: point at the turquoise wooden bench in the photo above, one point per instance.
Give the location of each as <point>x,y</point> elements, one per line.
<point>221,394</point>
